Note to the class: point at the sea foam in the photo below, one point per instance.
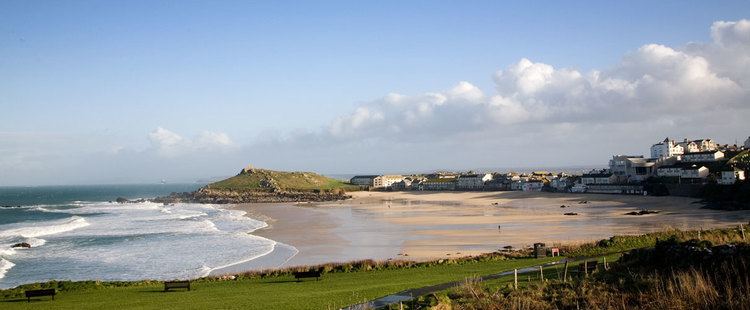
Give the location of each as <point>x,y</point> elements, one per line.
<point>5,265</point>
<point>132,241</point>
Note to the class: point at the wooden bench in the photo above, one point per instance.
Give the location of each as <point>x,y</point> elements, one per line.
<point>40,293</point>
<point>307,274</point>
<point>587,267</point>
<point>168,285</point>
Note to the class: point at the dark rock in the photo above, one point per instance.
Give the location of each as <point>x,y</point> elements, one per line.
<point>571,213</point>
<point>122,200</point>
<point>642,212</point>
<point>21,245</point>
<point>208,195</point>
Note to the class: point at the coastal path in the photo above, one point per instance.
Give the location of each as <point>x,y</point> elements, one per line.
<point>407,295</point>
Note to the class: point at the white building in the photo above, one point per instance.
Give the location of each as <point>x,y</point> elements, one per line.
<point>386,181</point>
<point>631,168</point>
<point>689,146</point>
<point>702,156</point>
<point>694,172</point>
<point>730,177</point>
<point>705,145</point>
<point>363,180</point>
<point>666,148</point>
<point>600,177</point>
<point>669,171</point>
<point>473,181</point>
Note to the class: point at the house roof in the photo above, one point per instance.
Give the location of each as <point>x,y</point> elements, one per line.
<point>694,168</point>
<point>365,176</point>
<point>597,175</point>
<point>441,180</point>
<point>699,153</point>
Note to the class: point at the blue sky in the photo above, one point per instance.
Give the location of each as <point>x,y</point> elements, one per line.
<point>107,74</point>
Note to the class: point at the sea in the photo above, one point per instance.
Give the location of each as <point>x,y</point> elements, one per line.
<point>81,233</point>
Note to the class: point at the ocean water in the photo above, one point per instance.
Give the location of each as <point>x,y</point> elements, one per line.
<point>78,233</point>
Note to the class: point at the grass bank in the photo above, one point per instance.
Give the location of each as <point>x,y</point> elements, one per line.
<point>343,285</point>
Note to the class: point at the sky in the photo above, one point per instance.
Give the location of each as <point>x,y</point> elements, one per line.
<point>140,91</point>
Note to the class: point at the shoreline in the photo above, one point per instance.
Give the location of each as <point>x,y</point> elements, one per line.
<point>423,226</point>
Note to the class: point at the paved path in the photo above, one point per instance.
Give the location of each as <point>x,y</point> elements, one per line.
<point>409,294</point>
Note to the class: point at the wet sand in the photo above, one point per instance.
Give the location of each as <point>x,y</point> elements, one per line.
<point>429,225</point>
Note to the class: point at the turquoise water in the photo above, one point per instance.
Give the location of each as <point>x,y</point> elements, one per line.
<point>79,233</point>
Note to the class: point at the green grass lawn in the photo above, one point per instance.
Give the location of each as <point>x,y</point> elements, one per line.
<point>333,291</point>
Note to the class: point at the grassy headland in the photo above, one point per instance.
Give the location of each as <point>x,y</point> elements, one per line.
<point>262,185</point>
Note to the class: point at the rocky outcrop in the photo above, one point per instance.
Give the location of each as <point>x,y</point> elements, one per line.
<point>21,245</point>
<point>208,195</point>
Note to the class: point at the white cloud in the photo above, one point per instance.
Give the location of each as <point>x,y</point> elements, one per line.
<point>654,82</point>
<point>170,144</point>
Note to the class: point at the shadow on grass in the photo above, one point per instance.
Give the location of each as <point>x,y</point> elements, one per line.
<point>24,300</point>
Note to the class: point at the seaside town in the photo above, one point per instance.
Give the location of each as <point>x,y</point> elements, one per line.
<point>677,168</point>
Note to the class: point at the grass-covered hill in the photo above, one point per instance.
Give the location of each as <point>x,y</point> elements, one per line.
<point>262,185</point>
<point>250,179</point>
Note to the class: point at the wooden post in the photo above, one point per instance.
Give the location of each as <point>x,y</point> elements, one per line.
<point>742,230</point>
<point>541,274</point>
<point>605,264</point>
<point>565,274</point>
<point>586,267</point>
<point>515,279</point>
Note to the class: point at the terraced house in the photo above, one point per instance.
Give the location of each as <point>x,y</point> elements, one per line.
<point>473,181</point>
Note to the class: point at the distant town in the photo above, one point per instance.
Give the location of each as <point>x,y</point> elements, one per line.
<point>673,168</point>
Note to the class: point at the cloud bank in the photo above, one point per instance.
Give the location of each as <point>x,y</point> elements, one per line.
<point>651,83</point>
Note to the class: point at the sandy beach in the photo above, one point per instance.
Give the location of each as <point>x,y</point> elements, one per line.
<point>429,225</point>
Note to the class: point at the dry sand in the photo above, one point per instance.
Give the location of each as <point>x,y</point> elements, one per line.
<point>428,225</point>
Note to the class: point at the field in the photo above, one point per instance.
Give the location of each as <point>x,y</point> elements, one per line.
<point>333,291</point>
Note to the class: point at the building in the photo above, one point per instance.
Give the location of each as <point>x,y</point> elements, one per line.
<point>702,156</point>
<point>669,171</point>
<point>689,146</point>
<point>694,172</point>
<point>532,186</point>
<point>578,188</point>
<point>666,148</point>
<point>600,177</point>
<point>438,184</point>
<point>747,143</point>
<point>403,184</point>
<point>473,181</point>
<point>386,181</point>
<point>731,176</point>
<point>363,180</point>
<point>631,168</point>
<point>705,145</point>
<point>562,184</point>
<point>517,185</point>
